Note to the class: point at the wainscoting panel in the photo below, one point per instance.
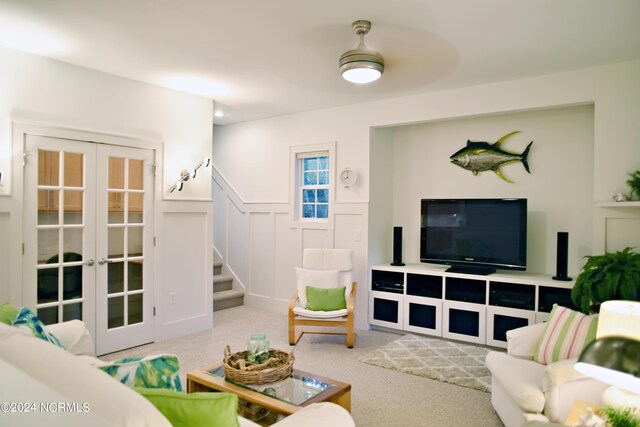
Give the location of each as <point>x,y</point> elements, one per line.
<point>219,219</point>
<point>314,238</point>
<point>261,252</point>
<point>5,232</point>
<point>185,299</point>
<point>287,256</point>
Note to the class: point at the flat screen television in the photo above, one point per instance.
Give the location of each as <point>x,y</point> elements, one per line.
<point>475,236</point>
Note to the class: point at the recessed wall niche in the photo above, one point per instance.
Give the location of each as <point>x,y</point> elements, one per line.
<point>411,162</point>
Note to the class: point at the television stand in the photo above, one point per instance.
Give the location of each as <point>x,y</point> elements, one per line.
<point>471,269</point>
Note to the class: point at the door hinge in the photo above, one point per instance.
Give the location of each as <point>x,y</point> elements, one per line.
<point>153,170</point>
<point>154,311</point>
<point>23,249</point>
<point>25,158</point>
<point>154,241</point>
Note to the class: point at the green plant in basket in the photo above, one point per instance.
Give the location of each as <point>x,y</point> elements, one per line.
<point>620,417</point>
<point>611,276</point>
<point>634,184</point>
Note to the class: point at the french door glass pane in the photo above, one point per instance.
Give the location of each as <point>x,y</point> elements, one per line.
<point>47,244</point>
<point>115,312</point>
<point>134,275</point>
<point>135,309</point>
<point>47,285</point>
<point>134,242</point>
<point>116,173</point>
<point>115,242</point>
<point>48,315</point>
<point>72,238</point>
<point>73,170</point>
<point>72,311</point>
<point>48,167</point>
<point>72,282</point>
<point>73,206</point>
<point>115,277</point>
<point>136,169</point>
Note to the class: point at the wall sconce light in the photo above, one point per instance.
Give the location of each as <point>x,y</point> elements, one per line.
<point>185,175</point>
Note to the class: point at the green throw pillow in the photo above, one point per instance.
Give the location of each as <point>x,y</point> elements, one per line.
<point>8,312</point>
<point>326,299</point>
<point>155,371</point>
<point>27,319</point>
<point>194,409</point>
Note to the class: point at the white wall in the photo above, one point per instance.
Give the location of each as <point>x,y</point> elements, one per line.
<point>559,189</point>
<point>253,156</point>
<point>40,90</point>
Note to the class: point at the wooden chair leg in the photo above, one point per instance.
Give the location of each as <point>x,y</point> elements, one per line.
<point>292,328</point>
<point>351,335</point>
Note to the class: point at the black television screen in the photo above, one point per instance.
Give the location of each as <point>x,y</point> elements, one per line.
<point>474,236</point>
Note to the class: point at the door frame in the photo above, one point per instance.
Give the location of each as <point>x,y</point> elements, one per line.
<point>20,129</point>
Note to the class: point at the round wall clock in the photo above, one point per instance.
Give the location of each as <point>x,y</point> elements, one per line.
<point>348,177</point>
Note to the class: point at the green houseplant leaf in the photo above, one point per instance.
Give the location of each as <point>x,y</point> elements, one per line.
<point>610,276</point>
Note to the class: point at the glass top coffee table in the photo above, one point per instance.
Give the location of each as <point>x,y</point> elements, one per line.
<point>283,397</point>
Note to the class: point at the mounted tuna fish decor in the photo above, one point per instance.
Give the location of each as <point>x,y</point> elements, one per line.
<point>479,156</point>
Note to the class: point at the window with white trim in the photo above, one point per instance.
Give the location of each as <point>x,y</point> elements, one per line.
<point>313,188</point>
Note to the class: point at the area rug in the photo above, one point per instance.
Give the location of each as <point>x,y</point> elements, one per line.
<point>438,359</point>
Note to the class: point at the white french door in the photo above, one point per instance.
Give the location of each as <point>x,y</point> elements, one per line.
<point>89,238</point>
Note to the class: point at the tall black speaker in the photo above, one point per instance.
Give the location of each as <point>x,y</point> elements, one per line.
<point>562,256</point>
<point>397,246</point>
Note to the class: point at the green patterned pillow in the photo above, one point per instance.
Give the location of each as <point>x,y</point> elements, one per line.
<point>156,371</point>
<point>27,319</point>
<point>567,333</point>
<point>194,409</point>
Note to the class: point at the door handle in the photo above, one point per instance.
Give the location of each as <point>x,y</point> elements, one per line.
<point>103,261</point>
<point>89,262</point>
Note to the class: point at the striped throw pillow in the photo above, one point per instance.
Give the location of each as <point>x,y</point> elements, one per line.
<point>566,334</point>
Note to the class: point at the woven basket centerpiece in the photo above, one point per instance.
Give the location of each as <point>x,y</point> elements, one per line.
<point>237,369</point>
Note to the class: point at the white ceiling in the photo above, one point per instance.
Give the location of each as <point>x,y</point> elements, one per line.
<point>262,58</point>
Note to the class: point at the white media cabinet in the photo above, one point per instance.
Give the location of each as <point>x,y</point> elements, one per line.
<point>425,299</point>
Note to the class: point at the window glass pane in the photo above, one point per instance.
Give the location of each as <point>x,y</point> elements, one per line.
<point>323,211</point>
<point>72,207</point>
<point>323,162</point>
<point>308,196</point>
<point>308,211</point>
<point>135,207</point>
<point>310,178</point>
<point>323,178</point>
<point>323,196</point>
<point>47,206</point>
<point>72,242</point>
<point>116,173</point>
<point>311,163</point>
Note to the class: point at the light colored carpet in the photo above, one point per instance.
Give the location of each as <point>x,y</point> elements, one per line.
<point>379,397</point>
<point>438,359</point>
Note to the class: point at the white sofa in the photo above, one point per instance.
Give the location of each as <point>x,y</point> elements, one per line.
<point>35,371</point>
<point>523,390</point>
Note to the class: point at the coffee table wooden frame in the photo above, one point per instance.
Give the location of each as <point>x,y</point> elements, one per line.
<point>199,381</point>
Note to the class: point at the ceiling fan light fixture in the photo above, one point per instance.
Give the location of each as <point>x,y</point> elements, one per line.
<point>361,65</point>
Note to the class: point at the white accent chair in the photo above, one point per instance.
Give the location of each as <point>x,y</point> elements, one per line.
<point>523,390</point>
<point>324,268</point>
